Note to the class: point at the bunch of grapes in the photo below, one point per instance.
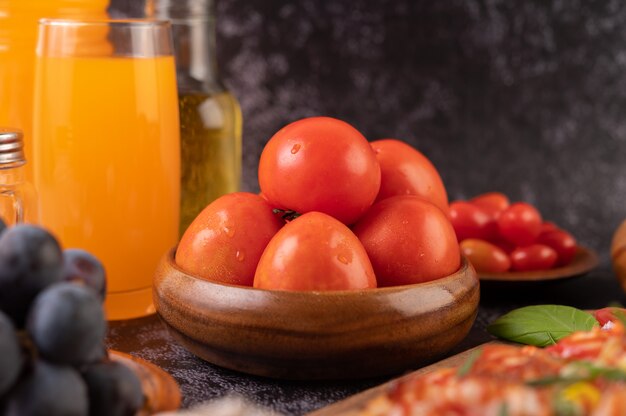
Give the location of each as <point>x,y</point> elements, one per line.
<point>52,328</point>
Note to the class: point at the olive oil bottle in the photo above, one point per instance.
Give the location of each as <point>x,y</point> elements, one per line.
<point>210,127</point>
<point>210,116</point>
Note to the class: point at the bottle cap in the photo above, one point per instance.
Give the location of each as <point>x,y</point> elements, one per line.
<point>181,9</point>
<point>11,146</point>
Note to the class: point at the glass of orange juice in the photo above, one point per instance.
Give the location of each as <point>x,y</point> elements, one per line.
<point>106,149</point>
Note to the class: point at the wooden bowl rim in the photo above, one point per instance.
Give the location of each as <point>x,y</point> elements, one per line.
<point>462,271</point>
<point>584,261</point>
<point>160,388</point>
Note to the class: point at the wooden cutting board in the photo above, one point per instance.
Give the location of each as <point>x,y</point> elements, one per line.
<point>352,404</point>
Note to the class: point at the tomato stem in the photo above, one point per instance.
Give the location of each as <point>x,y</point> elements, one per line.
<point>286,214</point>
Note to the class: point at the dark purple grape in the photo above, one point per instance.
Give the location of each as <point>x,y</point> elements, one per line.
<point>82,267</point>
<point>67,325</point>
<point>3,225</point>
<point>49,390</point>
<point>30,260</point>
<point>10,354</point>
<point>113,390</point>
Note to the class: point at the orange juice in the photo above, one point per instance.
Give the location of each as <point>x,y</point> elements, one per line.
<point>107,165</point>
<point>18,35</point>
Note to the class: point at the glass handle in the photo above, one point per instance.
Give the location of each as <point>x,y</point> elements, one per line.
<point>11,206</point>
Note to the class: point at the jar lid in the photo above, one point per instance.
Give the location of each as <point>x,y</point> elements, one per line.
<point>179,9</point>
<point>11,146</point>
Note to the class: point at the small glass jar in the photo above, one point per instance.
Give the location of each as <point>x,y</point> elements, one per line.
<point>210,116</point>
<point>18,202</point>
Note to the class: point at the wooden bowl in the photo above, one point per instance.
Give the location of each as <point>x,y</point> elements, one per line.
<point>618,254</point>
<point>316,335</point>
<point>160,389</point>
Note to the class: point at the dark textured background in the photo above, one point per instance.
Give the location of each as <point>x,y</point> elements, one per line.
<point>528,98</point>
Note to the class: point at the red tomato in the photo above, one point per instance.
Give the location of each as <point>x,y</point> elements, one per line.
<point>471,221</point>
<point>562,242</point>
<point>533,257</point>
<point>314,252</point>
<point>320,164</point>
<point>548,226</point>
<point>484,256</point>
<point>520,224</point>
<point>226,240</point>
<point>406,171</point>
<point>503,244</point>
<point>493,203</point>
<point>610,314</point>
<point>408,240</point>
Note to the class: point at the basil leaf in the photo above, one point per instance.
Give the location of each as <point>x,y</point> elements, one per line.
<point>563,406</point>
<point>464,369</point>
<point>541,325</point>
<point>582,371</point>
<point>551,380</point>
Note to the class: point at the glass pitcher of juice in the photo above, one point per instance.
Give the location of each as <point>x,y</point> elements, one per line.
<point>210,116</point>
<point>107,148</point>
<point>18,35</point>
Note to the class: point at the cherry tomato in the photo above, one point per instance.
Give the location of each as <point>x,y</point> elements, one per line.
<point>520,224</point>
<point>484,256</point>
<point>503,244</point>
<point>314,252</point>
<point>493,203</point>
<point>548,226</point>
<point>320,164</point>
<point>408,240</point>
<point>471,221</point>
<point>225,241</point>
<point>562,242</point>
<point>406,171</point>
<point>610,314</point>
<point>533,257</point>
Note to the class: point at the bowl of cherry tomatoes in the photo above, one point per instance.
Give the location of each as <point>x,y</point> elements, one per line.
<point>346,265</point>
<point>512,242</point>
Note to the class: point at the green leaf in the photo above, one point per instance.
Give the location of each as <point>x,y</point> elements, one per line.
<point>469,363</point>
<point>578,371</point>
<point>541,325</point>
<point>564,407</point>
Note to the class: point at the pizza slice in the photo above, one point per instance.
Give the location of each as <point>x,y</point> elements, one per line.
<point>584,373</point>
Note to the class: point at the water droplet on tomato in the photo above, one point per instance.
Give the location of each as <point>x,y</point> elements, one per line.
<point>240,255</point>
<point>295,149</point>
<point>229,231</point>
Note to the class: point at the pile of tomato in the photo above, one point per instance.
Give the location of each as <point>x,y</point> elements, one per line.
<point>498,236</point>
<point>335,212</point>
